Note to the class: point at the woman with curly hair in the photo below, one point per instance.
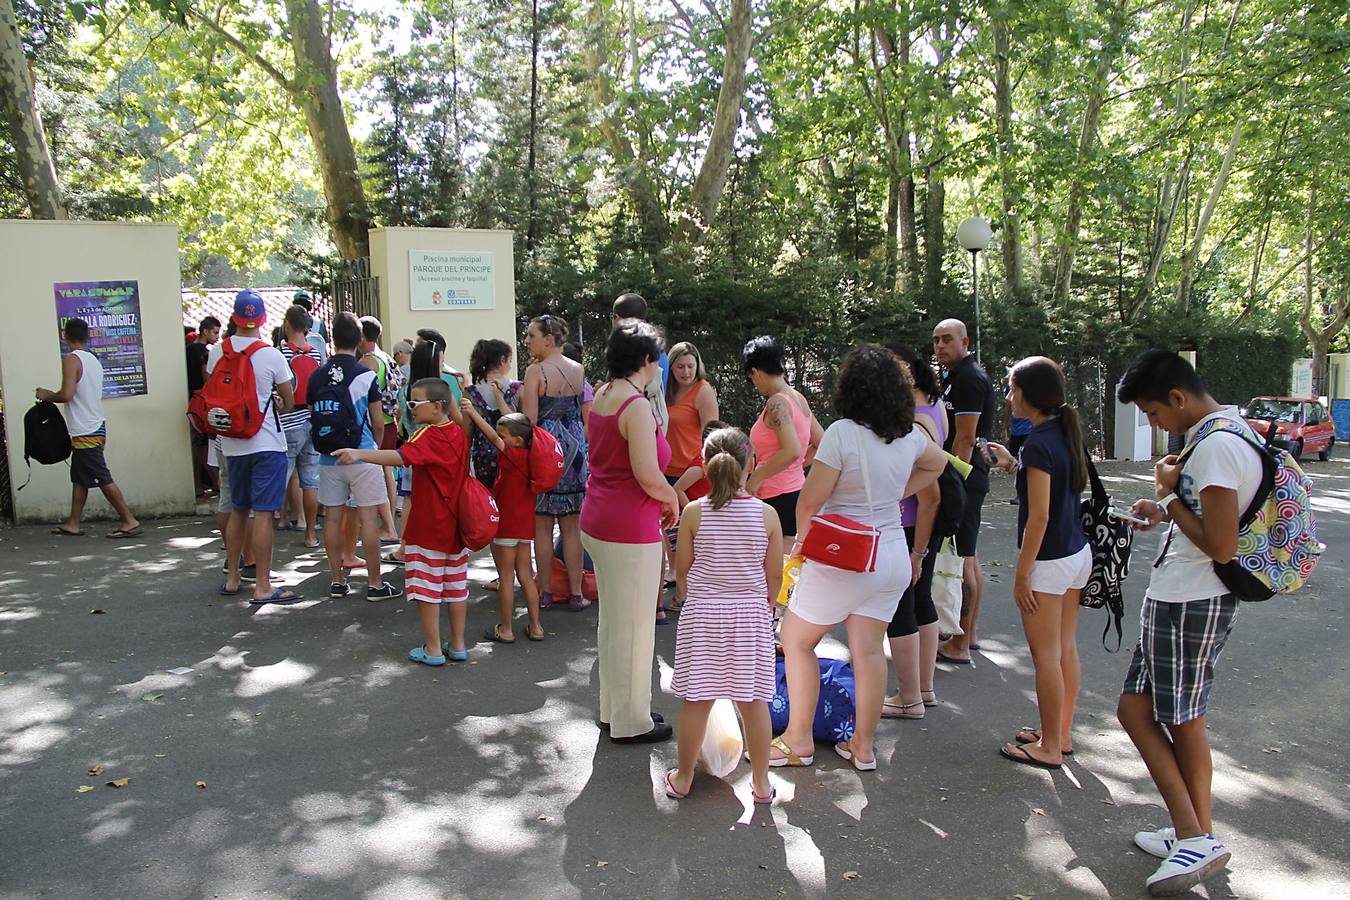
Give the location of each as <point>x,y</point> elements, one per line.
<point>868,461</point>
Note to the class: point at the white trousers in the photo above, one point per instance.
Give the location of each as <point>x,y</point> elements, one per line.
<point>627,577</point>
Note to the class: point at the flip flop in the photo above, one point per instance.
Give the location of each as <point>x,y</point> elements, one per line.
<point>494,634</point>
<point>764,801</point>
<point>226,592</point>
<point>1020,755</point>
<point>314,546</point>
<point>851,757</point>
<point>125,533</point>
<point>67,533</point>
<point>1029,735</point>
<point>391,559</point>
<point>280,595</point>
<point>671,792</point>
<point>788,758</point>
<point>891,710</point>
<point>530,634</point>
<point>952,660</point>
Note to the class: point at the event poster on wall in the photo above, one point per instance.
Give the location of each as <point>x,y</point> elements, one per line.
<point>452,279</point>
<point>113,311</point>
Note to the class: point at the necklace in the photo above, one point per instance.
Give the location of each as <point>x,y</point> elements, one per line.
<point>634,386</point>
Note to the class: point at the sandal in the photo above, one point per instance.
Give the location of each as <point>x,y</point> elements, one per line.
<point>125,533</point>
<point>789,758</point>
<point>891,710</point>
<point>532,636</point>
<point>1029,735</point>
<point>494,634</point>
<point>764,801</point>
<point>576,603</point>
<point>929,701</point>
<point>391,558</point>
<point>846,753</point>
<point>65,532</point>
<point>419,654</point>
<point>493,585</point>
<point>280,595</point>
<point>546,600</point>
<point>671,790</point>
<point>1018,754</point>
<point>661,618</point>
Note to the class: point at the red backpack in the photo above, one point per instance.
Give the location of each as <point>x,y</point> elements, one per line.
<point>228,404</point>
<point>302,366</point>
<point>476,514</point>
<point>544,465</point>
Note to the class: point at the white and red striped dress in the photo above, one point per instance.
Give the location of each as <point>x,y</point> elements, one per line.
<point>724,646</point>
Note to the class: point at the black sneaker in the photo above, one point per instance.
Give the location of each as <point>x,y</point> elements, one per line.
<point>660,732</point>
<point>385,592</point>
<point>248,573</point>
<point>338,589</point>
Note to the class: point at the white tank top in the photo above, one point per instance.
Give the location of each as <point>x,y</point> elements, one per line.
<point>84,412</point>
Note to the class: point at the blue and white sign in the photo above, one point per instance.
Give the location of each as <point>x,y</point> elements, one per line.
<point>451,279</point>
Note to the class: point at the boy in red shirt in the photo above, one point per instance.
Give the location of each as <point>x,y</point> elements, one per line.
<point>436,563</point>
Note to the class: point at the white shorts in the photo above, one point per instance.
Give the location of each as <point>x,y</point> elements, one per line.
<point>1068,573</point>
<point>827,596</point>
<point>362,483</point>
<point>510,542</point>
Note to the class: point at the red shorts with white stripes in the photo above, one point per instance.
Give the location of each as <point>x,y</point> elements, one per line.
<point>434,576</point>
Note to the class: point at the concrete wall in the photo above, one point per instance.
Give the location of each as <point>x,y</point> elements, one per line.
<point>389,249</point>
<point>147,447</point>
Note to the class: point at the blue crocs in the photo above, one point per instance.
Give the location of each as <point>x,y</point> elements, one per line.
<point>455,655</point>
<point>419,654</point>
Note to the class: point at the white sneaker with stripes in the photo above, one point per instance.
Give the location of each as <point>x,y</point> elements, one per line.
<point>1158,843</point>
<point>1192,861</point>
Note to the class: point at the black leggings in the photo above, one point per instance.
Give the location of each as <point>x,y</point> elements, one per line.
<point>916,607</point>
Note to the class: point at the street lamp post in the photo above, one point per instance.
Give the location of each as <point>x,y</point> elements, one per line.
<point>973,234</point>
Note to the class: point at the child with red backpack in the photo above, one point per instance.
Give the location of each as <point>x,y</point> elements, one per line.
<point>438,539</point>
<point>529,462</point>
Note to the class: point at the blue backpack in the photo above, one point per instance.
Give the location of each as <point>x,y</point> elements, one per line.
<point>836,710</point>
<point>333,419</point>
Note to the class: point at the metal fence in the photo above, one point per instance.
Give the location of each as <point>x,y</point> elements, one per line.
<point>355,290</point>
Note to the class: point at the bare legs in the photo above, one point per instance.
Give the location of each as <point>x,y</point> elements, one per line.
<point>1052,637</point>
<point>1180,765</point>
<point>799,638</point>
<point>758,731</point>
<point>430,615</point>
<point>865,636</point>
<point>570,527</point>
<point>513,563</point>
<point>79,495</point>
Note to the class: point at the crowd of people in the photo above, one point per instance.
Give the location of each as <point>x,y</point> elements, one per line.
<point>655,490</point>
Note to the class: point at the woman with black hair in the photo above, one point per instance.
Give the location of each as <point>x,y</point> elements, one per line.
<point>868,461</point>
<point>493,394</point>
<point>1055,559</point>
<point>785,435</point>
<point>628,503</point>
<point>913,632</point>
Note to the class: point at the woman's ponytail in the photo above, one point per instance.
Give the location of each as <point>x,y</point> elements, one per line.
<point>726,453</point>
<point>1073,440</point>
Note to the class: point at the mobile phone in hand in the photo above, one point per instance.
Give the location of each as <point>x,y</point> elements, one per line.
<point>1128,517</point>
<point>983,444</point>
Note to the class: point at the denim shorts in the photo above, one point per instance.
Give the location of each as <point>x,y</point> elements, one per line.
<point>300,454</point>
<point>258,480</point>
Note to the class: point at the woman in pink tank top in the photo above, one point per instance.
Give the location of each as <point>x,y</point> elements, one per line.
<point>628,502</point>
<point>785,436</point>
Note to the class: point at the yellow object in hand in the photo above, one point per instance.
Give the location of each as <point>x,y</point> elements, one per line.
<point>791,570</point>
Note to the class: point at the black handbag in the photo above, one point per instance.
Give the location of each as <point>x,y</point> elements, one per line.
<point>1110,539</point>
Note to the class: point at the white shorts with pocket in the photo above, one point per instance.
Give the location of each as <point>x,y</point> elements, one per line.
<point>827,596</point>
<point>362,483</point>
<point>1068,573</point>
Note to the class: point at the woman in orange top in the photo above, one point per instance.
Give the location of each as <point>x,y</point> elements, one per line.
<point>691,403</point>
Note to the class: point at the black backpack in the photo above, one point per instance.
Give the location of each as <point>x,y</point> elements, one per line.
<point>46,438</point>
<point>1110,539</point>
<point>952,509</point>
<point>333,419</point>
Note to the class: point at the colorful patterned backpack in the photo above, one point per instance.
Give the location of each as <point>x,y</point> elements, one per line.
<point>1277,535</point>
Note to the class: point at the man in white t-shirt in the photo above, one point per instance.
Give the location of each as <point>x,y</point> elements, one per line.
<point>82,393</point>
<point>257,465</point>
<point>1187,613</point>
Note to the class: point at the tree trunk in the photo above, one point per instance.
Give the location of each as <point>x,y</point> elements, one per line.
<point>532,229</point>
<point>1189,258</point>
<point>1087,138</point>
<point>1010,240</point>
<point>934,228</point>
<point>315,89</point>
<point>712,174</point>
<point>36,170</point>
<point>892,225</point>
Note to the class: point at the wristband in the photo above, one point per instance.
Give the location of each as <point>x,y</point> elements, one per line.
<point>1167,500</point>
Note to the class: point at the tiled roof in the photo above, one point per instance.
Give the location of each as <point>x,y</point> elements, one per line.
<point>219,302</point>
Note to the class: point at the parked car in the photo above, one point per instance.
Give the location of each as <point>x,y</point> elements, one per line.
<point>1299,426</point>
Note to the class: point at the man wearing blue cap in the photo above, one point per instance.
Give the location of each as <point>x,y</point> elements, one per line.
<point>257,465</point>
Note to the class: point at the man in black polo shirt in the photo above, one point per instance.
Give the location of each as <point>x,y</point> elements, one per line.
<point>969,398</point>
<point>208,332</point>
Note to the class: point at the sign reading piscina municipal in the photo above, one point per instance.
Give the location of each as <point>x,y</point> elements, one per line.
<point>452,279</point>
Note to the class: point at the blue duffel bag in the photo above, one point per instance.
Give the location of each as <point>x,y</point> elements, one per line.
<point>835,710</point>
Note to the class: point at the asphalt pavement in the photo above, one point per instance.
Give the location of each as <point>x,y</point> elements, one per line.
<point>302,755</point>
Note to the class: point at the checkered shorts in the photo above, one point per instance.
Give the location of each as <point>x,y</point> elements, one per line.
<point>1174,659</point>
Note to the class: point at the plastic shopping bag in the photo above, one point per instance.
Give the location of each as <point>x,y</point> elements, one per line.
<point>947,588</point>
<point>792,570</point>
<point>722,744</point>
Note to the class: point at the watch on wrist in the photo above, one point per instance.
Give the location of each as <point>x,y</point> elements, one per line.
<point>1167,500</point>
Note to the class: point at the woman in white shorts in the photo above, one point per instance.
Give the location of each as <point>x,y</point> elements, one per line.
<point>868,461</point>
<point>1055,558</point>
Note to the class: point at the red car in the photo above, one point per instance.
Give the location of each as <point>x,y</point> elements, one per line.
<point>1300,426</point>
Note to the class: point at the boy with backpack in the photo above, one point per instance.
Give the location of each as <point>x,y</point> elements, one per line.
<point>1188,611</point>
<point>390,380</point>
<point>247,389</point>
<point>302,482</point>
<point>82,393</point>
<point>439,530</point>
<point>344,415</point>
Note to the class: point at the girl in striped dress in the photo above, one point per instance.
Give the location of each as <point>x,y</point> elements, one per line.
<point>728,566</point>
